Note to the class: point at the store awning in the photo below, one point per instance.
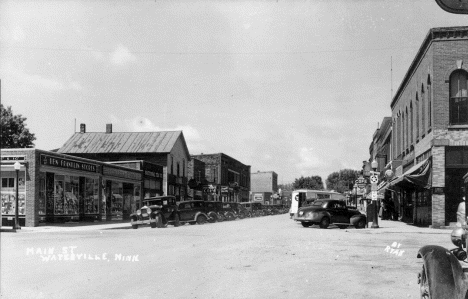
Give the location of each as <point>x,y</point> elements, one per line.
<point>465,178</point>
<point>419,175</point>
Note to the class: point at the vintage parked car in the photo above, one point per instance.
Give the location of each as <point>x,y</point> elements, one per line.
<point>255,208</point>
<point>192,211</point>
<point>155,210</point>
<point>444,271</point>
<point>215,211</point>
<point>229,211</point>
<point>330,211</point>
<point>239,210</point>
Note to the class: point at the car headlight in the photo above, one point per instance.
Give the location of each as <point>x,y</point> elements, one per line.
<point>139,212</point>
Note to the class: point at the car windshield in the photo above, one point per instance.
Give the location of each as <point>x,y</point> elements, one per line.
<point>319,203</point>
<point>153,203</point>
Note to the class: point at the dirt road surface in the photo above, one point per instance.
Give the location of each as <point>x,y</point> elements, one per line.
<point>267,257</point>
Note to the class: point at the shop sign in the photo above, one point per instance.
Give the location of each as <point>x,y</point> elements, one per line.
<point>258,197</point>
<point>121,173</point>
<point>224,189</point>
<point>68,164</point>
<point>13,158</point>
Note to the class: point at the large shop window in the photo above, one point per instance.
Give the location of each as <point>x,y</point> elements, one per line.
<point>117,201</point>
<point>66,195</point>
<point>8,193</point>
<point>459,97</point>
<point>152,187</point>
<point>456,157</point>
<point>91,196</point>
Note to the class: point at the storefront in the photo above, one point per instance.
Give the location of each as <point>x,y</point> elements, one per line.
<point>60,188</point>
<point>10,184</point>
<point>153,175</point>
<point>411,194</point>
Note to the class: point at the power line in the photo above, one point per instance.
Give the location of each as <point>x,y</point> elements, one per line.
<point>209,53</point>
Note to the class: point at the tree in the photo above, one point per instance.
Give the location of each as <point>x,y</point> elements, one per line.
<point>14,131</point>
<point>286,187</point>
<point>310,182</point>
<point>340,181</point>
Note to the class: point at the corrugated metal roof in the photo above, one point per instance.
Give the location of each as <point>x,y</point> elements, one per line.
<point>121,142</point>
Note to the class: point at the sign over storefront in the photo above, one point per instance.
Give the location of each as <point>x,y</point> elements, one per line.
<point>68,164</point>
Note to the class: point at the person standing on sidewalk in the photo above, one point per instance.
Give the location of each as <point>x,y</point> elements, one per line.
<point>461,215</point>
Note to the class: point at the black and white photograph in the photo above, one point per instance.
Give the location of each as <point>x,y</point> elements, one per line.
<point>234,149</point>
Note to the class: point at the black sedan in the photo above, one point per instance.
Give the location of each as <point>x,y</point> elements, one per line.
<point>330,211</point>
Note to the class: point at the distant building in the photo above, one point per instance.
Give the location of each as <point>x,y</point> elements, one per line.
<point>226,179</point>
<point>264,187</point>
<point>264,181</point>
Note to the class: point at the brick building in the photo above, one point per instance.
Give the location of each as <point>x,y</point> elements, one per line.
<point>167,149</point>
<point>430,129</point>
<point>197,182</point>
<point>226,179</point>
<point>54,187</point>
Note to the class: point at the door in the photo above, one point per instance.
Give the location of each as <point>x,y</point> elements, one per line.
<point>185,211</point>
<point>339,212</point>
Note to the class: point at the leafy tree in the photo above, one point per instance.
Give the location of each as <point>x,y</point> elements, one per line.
<point>310,182</point>
<point>14,131</point>
<point>286,187</point>
<point>340,181</point>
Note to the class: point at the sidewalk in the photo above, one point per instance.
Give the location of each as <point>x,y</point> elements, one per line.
<point>390,226</point>
<point>72,226</point>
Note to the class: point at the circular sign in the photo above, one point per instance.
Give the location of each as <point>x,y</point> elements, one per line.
<point>374,179</point>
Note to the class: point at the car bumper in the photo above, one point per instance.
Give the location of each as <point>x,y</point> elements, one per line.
<point>305,218</point>
<point>142,221</point>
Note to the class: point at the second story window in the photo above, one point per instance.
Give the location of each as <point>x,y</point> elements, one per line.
<point>459,98</point>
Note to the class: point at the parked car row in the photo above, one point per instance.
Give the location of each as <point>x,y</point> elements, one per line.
<point>163,210</point>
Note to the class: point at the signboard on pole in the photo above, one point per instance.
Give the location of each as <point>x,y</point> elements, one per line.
<point>374,195</point>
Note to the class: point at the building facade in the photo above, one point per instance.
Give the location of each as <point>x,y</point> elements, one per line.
<point>167,148</point>
<point>430,129</point>
<point>54,187</point>
<point>264,187</point>
<point>226,178</point>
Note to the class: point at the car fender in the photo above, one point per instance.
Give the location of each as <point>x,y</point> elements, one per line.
<point>356,218</point>
<point>198,214</point>
<point>443,271</point>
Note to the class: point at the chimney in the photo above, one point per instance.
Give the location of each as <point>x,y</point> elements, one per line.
<point>82,128</point>
<point>108,128</point>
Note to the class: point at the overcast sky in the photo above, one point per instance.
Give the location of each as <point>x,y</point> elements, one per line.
<point>296,87</point>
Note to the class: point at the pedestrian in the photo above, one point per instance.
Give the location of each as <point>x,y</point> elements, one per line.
<point>461,212</point>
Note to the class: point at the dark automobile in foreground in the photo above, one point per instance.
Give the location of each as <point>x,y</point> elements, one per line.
<point>330,211</point>
<point>444,273</point>
<point>163,207</point>
<point>160,211</point>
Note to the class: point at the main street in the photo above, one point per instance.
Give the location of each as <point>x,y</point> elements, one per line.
<point>267,257</point>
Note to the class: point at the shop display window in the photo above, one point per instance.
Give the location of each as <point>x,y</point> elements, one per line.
<point>66,195</point>
<point>8,193</point>
<point>117,201</point>
<point>91,195</point>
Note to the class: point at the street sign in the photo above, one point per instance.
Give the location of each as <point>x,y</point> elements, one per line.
<point>374,195</point>
<point>374,187</point>
<point>361,182</point>
<point>374,179</point>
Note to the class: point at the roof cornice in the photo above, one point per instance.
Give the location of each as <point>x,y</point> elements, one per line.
<point>442,33</point>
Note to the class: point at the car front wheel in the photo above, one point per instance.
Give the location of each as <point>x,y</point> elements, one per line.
<point>361,224</point>
<point>201,219</point>
<point>325,222</point>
